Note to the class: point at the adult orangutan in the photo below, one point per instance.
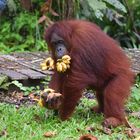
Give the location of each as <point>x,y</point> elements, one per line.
<point>96,62</point>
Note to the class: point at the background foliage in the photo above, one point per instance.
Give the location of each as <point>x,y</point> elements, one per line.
<point>20,31</point>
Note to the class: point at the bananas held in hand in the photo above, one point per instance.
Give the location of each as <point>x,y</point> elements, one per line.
<point>48,64</point>
<point>50,99</point>
<point>44,95</point>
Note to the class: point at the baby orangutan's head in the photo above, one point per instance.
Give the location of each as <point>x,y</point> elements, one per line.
<point>50,99</point>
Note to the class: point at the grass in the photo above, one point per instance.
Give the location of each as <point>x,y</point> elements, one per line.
<point>31,122</point>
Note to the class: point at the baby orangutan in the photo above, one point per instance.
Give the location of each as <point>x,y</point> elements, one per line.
<point>50,99</point>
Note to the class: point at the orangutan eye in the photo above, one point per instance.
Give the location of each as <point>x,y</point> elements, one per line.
<point>59,42</point>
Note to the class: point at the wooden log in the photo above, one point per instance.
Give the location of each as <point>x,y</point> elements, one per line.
<point>32,60</point>
<point>13,75</point>
<point>16,71</point>
<point>134,55</point>
<point>23,66</point>
<point>31,74</point>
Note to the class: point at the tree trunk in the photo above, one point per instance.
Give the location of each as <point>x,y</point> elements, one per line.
<point>26,4</point>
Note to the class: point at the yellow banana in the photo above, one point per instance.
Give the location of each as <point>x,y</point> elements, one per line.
<point>40,102</point>
<point>59,60</point>
<point>51,63</point>
<point>66,57</point>
<point>44,68</point>
<point>66,61</point>
<point>51,66</point>
<point>47,64</point>
<point>64,66</point>
<point>43,64</point>
<point>59,67</point>
<point>49,90</point>
<point>48,59</point>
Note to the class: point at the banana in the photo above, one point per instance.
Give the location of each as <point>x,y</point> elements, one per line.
<point>51,66</point>
<point>48,64</point>
<point>59,67</point>
<point>66,57</point>
<point>44,68</point>
<point>51,63</point>
<point>59,60</point>
<point>64,66</point>
<point>48,59</point>
<point>40,102</point>
<point>66,61</point>
<point>49,90</point>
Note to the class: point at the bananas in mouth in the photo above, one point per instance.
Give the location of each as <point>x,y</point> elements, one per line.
<point>48,64</point>
<point>61,65</point>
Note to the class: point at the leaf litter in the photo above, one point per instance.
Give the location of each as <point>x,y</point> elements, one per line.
<point>18,98</point>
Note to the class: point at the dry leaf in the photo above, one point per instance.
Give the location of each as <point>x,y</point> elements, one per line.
<point>17,95</point>
<point>46,6</point>
<point>130,133</point>
<point>37,118</point>
<point>127,123</point>
<point>49,134</point>
<point>33,97</point>
<point>136,114</point>
<point>107,131</point>
<point>53,12</point>
<point>138,138</point>
<point>45,19</point>
<point>3,133</point>
<point>42,19</point>
<point>88,137</point>
<point>133,131</point>
<point>90,128</point>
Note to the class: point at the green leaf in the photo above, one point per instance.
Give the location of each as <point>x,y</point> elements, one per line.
<point>3,79</point>
<point>96,5</point>
<point>19,85</point>
<point>5,86</point>
<point>117,4</point>
<point>136,93</point>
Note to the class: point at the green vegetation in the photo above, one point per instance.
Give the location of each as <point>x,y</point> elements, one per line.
<point>31,122</point>
<point>20,31</point>
<point>21,34</point>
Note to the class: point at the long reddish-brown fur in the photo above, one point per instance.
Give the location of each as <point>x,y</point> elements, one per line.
<point>97,62</point>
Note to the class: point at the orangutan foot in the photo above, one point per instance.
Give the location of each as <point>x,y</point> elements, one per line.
<point>112,122</point>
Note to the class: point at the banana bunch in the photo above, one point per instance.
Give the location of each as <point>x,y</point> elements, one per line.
<point>41,100</point>
<point>63,64</point>
<point>48,64</point>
